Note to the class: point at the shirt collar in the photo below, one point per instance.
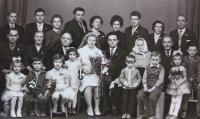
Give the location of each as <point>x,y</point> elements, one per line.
<point>168,51</point>
<point>155,66</point>
<point>38,24</point>
<point>11,25</point>
<point>113,48</point>
<point>183,30</point>
<point>130,69</point>
<point>135,27</point>
<point>12,44</point>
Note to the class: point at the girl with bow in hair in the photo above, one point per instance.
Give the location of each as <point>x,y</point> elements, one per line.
<point>14,87</point>
<point>178,85</point>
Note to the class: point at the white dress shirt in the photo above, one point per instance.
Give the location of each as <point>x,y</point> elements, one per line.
<point>40,26</point>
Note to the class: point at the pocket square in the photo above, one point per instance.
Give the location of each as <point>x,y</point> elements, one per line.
<point>188,40</point>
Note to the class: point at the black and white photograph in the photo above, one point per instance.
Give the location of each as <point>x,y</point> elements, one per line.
<point>100,59</point>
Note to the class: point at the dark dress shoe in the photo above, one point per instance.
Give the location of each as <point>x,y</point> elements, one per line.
<point>104,112</point>
<point>114,113</point>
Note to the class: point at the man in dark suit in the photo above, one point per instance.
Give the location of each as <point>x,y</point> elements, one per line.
<point>12,18</point>
<point>39,25</point>
<point>166,56</point>
<point>66,40</point>
<point>8,50</point>
<point>182,37</point>
<point>135,31</point>
<point>117,56</point>
<point>77,27</point>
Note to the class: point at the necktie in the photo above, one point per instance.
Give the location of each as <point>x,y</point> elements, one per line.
<point>179,39</point>
<point>12,47</point>
<point>168,54</point>
<point>81,24</point>
<point>133,30</point>
<point>40,27</point>
<point>111,52</point>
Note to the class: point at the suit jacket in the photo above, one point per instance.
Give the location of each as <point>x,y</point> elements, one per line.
<point>31,52</point>
<point>76,31</point>
<point>30,30</point>
<point>117,62</point>
<point>50,53</point>
<point>166,62</point>
<point>6,54</point>
<point>5,29</point>
<point>192,67</point>
<point>158,46</point>
<point>188,37</point>
<point>140,32</point>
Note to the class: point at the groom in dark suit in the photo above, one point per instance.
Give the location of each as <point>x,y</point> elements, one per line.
<point>12,18</point>
<point>135,31</point>
<point>117,56</point>
<point>182,37</point>
<point>39,25</point>
<point>77,27</point>
<point>61,48</point>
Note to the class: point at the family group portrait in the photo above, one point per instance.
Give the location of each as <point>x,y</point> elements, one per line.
<point>100,59</point>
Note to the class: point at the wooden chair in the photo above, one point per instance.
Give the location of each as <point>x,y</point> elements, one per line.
<point>58,112</point>
<point>193,100</point>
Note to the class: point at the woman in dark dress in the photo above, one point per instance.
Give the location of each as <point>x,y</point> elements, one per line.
<point>95,24</point>
<point>117,22</point>
<point>156,38</point>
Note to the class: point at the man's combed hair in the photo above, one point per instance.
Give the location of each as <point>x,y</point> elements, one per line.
<point>39,10</point>
<point>78,9</point>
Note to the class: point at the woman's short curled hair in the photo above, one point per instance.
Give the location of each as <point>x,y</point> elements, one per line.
<point>93,18</point>
<point>56,16</point>
<point>116,18</point>
<point>91,34</point>
<point>154,24</point>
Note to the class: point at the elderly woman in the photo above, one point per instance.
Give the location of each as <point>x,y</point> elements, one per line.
<point>89,49</point>
<point>53,36</point>
<point>95,24</point>
<point>142,55</point>
<point>156,37</point>
<point>117,22</point>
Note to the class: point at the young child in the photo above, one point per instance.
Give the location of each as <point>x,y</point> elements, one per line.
<point>61,78</point>
<point>153,79</point>
<point>14,89</point>
<point>178,85</point>
<point>130,78</point>
<point>73,64</point>
<point>192,65</point>
<point>35,98</point>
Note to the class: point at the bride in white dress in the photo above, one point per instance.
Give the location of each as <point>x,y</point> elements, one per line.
<point>89,84</point>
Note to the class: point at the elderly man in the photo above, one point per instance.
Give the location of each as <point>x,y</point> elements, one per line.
<point>66,40</point>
